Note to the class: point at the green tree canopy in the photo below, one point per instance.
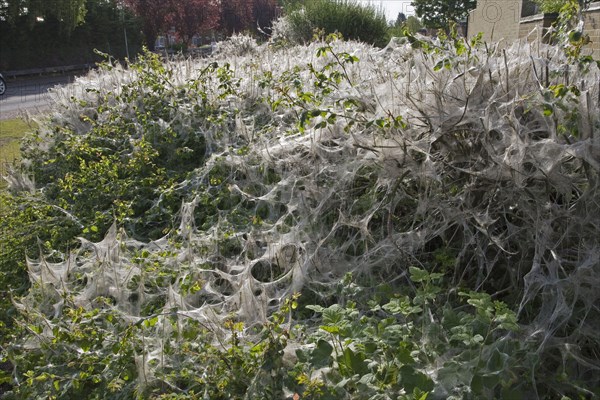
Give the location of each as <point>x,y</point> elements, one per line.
<point>440,13</point>
<point>41,37</point>
<point>413,24</point>
<point>70,13</point>
<point>400,19</point>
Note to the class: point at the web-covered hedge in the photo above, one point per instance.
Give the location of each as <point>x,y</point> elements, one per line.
<point>444,171</point>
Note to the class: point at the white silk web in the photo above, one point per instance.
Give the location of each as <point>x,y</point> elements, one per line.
<point>479,168</point>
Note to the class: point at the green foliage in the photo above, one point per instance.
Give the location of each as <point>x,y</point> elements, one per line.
<point>95,354</point>
<point>381,348</point>
<point>130,148</point>
<point>570,35</point>
<point>413,24</point>
<point>440,14</point>
<point>65,36</point>
<point>28,227</point>
<point>565,97</point>
<point>111,165</point>
<point>351,19</point>
<point>326,81</point>
<point>70,13</point>
<point>550,6</point>
<point>386,345</point>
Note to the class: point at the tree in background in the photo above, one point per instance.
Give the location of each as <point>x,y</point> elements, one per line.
<point>413,24</point>
<point>236,15</point>
<point>152,14</point>
<point>554,6</point>
<point>265,12</point>
<point>402,24</point>
<point>247,15</point>
<point>34,35</point>
<point>439,14</point>
<point>190,17</point>
<point>400,19</point>
<point>69,13</point>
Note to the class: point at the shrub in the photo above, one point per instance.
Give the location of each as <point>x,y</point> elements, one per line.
<point>348,17</point>
<point>124,147</point>
<point>550,6</point>
<point>450,187</point>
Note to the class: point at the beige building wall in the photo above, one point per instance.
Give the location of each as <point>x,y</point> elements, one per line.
<point>497,19</point>
<point>592,28</point>
<point>500,21</point>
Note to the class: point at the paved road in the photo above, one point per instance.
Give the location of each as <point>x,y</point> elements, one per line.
<point>29,95</point>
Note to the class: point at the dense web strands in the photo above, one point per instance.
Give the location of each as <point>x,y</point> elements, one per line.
<point>476,166</point>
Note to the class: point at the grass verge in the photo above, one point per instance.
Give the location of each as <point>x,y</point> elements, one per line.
<point>11,132</point>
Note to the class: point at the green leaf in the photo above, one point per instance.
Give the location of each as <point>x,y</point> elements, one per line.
<point>402,306</point>
<point>37,329</point>
<point>559,90</point>
<point>321,51</point>
<point>575,36</point>
<point>316,308</point>
<point>423,396</point>
<point>333,315</point>
<point>321,355</point>
<point>411,379</point>
<point>331,329</point>
<point>418,275</point>
<point>478,338</point>
<point>304,117</point>
<point>349,58</point>
<point>445,63</point>
<point>316,113</point>
<point>354,363</point>
<point>85,345</point>
<point>403,353</point>
<point>150,322</point>
<point>481,382</point>
<point>497,361</point>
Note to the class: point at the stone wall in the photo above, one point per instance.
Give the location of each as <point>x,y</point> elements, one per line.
<point>537,27</point>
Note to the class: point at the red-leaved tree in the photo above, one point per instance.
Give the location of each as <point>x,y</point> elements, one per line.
<point>236,15</point>
<point>190,17</point>
<point>241,15</point>
<point>152,13</point>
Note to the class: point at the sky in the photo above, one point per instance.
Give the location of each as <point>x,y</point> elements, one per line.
<point>392,7</point>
